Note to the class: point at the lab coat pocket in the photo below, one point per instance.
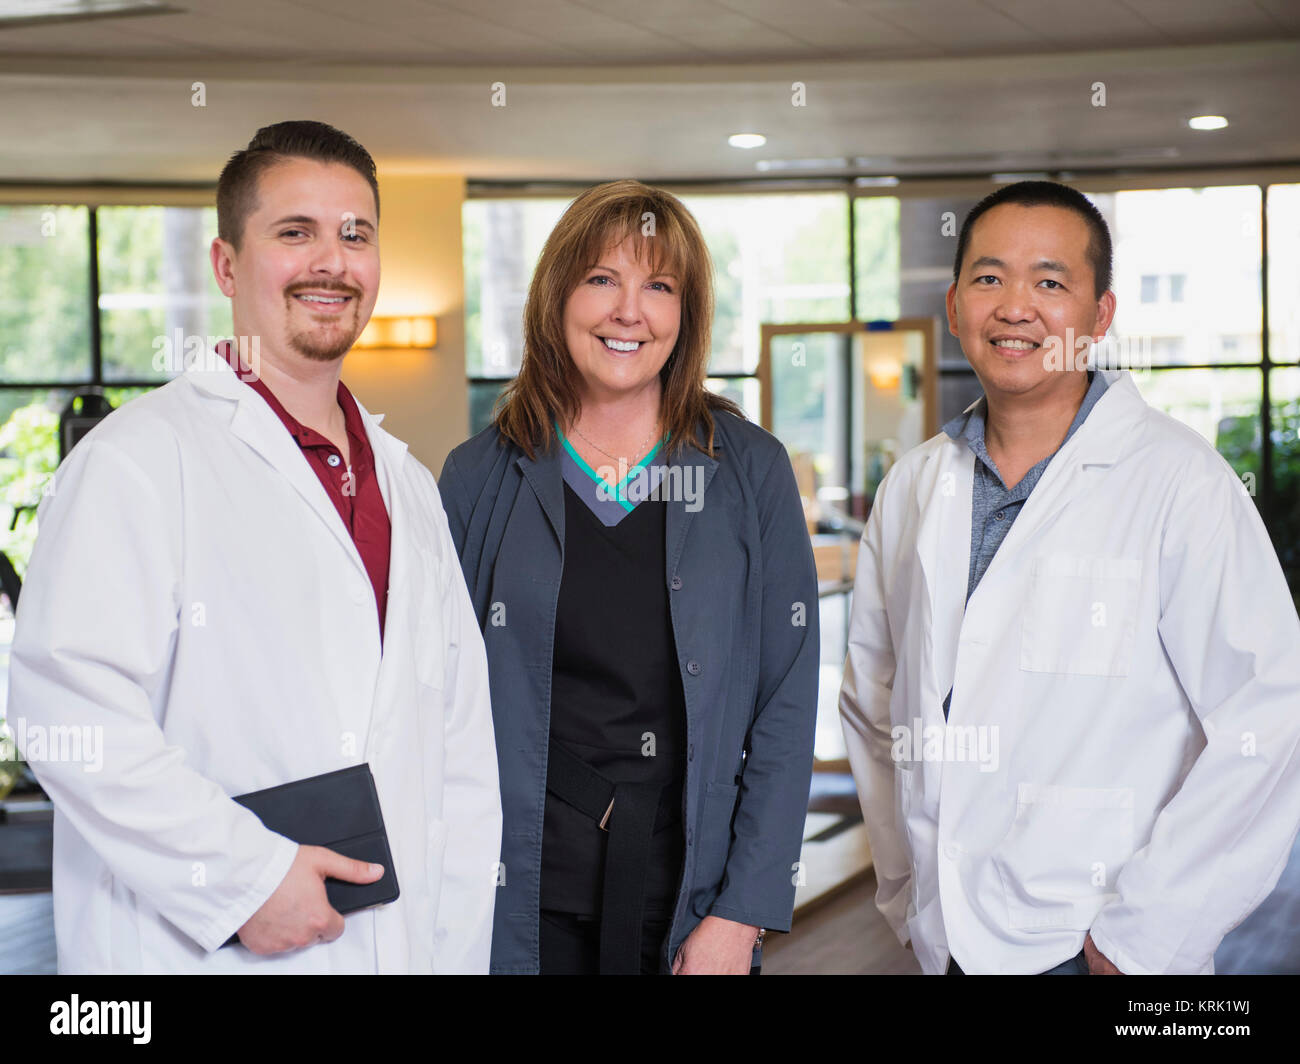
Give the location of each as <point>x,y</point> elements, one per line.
<point>1060,858</point>
<point>430,646</point>
<point>1081,615</point>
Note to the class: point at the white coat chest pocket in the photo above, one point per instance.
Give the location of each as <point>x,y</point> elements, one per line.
<point>1081,615</point>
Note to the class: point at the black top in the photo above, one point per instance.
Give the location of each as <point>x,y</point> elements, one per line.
<point>616,697</point>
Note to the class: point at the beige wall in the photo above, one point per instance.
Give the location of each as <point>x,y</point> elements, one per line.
<point>422,393</point>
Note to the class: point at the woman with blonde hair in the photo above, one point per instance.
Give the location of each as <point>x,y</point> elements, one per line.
<point>640,566</point>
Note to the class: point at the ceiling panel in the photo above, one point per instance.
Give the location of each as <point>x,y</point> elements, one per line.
<point>628,30</point>
<point>958,29</point>
<point>944,116</point>
<point>1190,21</point>
<point>1075,26</point>
<point>411,80</point>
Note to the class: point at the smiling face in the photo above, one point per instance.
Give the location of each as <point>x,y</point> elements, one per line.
<point>1026,283</point>
<point>306,274</point>
<point>621,324</point>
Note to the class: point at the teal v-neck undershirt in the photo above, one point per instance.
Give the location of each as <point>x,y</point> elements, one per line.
<point>619,490</point>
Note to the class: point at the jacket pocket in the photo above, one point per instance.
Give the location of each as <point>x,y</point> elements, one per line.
<point>1059,859</point>
<point>1081,615</point>
<point>715,836</point>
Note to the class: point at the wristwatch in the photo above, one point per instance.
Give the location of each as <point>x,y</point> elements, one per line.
<point>758,942</point>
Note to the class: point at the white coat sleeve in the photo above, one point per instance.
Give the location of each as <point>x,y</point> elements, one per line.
<point>864,713</point>
<point>1229,628</point>
<point>92,657</point>
<point>471,790</point>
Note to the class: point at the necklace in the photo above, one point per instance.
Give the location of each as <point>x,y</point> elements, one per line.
<point>641,450</point>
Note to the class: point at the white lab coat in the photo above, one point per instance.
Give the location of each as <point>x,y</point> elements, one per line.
<point>194,595</point>
<point>1134,651</point>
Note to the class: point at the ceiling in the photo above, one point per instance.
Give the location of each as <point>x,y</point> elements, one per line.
<point>598,89</point>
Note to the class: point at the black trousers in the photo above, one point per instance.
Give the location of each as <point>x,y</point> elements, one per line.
<point>570,945</point>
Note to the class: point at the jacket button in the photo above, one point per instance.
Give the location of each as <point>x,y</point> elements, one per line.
<point>694,668</point>
<point>675,583</point>
<point>690,837</point>
<point>690,753</point>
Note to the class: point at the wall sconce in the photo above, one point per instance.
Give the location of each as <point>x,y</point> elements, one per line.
<point>420,332</point>
<point>884,373</point>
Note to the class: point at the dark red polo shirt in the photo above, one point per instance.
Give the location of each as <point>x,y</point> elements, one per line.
<point>354,491</point>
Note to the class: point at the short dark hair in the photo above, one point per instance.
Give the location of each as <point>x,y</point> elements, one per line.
<point>1046,194</point>
<point>237,186</point>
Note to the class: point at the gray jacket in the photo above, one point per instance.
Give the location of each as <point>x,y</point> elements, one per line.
<point>739,566</point>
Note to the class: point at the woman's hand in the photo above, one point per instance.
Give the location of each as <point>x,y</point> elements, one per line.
<point>717,947</point>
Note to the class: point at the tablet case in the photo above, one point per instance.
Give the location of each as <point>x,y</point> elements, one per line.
<point>338,810</point>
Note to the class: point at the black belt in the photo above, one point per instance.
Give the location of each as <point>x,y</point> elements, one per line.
<point>631,813</point>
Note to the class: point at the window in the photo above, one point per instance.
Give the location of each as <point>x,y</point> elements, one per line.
<point>1284,273</point>
<point>44,294</point>
<point>502,240</point>
<point>155,282</point>
<point>1283,513</point>
<point>1187,272</point>
<point>876,258</point>
<point>65,326</point>
<point>776,258</point>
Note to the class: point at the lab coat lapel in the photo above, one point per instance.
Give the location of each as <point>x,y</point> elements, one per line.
<point>258,426</point>
<point>397,665</point>
<point>546,480</point>
<point>689,467</point>
<point>1097,444</point>
<point>943,544</point>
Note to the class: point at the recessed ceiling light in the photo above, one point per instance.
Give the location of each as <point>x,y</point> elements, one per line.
<point>1207,122</point>
<point>747,140</point>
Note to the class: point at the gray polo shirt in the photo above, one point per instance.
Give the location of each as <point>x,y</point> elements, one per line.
<point>994,506</point>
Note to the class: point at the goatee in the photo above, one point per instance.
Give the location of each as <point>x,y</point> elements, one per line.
<point>323,348</point>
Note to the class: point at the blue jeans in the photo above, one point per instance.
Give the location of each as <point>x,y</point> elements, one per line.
<point>1076,965</point>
